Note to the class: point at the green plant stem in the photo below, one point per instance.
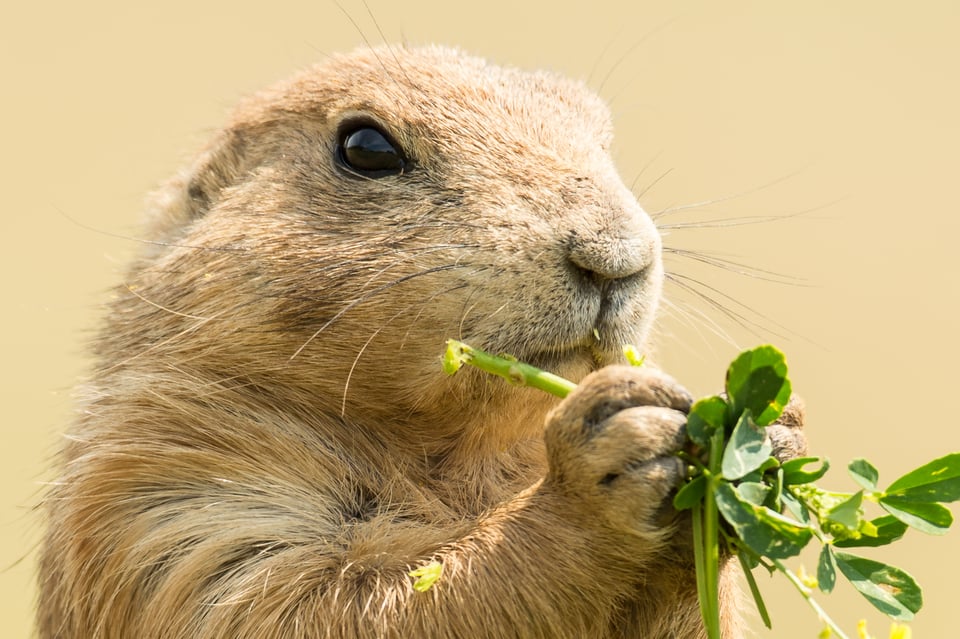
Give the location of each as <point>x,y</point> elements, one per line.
<point>805,593</point>
<point>754,588</point>
<point>711,540</point>
<point>699,560</point>
<point>515,372</point>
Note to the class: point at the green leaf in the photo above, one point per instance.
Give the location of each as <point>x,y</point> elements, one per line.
<point>754,589</point>
<point>706,416</point>
<point>826,569</point>
<point>864,473</point>
<point>796,507</point>
<point>936,481</point>
<point>757,381</point>
<point>886,529</point>
<point>757,473</point>
<point>794,472</point>
<point>754,492</point>
<point>774,500</point>
<point>748,449</point>
<point>820,501</point>
<point>847,513</point>
<point>933,519</point>
<point>891,590</point>
<point>690,493</point>
<point>764,531</point>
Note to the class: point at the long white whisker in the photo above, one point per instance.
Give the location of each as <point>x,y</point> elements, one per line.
<point>647,188</point>
<point>735,267</point>
<point>368,296</point>
<point>695,318</point>
<point>696,205</point>
<point>408,255</point>
<point>626,54</point>
<point>405,309</point>
<point>376,24</point>
<point>643,170</point>
<point>366,41</point>
<point>754,328</point>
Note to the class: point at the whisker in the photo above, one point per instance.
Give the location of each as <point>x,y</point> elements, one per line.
<point>723,223</point>
<point>602,54</point>
<point>356,360</point>
<point>747,219</point>
<point>626,54</point>
<point>643,170</point>
<point>736,267</point>
<point>467,308</point>
<point>366,41</point>
<point>376,24</point>
<point>653,184</point>
<point>696,205</point>
<point>690,285</point>
<point>696,318</point>
<point>140,240</point>
<point>423,305</point>
<point>368,296</point>
<point>409,255</point>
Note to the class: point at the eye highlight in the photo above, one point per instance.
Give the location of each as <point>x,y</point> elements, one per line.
<point>365,150</point>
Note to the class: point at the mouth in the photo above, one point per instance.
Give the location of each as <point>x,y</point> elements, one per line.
<point>574,340</point>
<point>573,365</point>
<point>577,359</point>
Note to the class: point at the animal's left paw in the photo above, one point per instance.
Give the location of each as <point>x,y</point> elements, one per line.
<point>786,434</point>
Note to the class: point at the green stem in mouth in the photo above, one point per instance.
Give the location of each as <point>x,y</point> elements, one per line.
<point>517,373</point>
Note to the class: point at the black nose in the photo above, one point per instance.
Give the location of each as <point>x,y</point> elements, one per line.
<point>603,258</point>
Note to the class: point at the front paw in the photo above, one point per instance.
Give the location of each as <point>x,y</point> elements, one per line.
<point>786,434</point>
<point>611,446</point>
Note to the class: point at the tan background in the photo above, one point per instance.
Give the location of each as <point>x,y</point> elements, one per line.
<point>843,113</point>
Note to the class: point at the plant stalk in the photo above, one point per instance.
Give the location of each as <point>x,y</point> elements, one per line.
<point>517,373</point>
<point>805,592</point>
<point>711,540</point>
<point>704,593</point>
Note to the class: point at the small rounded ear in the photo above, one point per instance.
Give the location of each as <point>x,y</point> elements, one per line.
<point>194,190</point>
<point>218,167</point>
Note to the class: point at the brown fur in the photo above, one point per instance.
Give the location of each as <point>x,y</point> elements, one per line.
<point>267,444</point>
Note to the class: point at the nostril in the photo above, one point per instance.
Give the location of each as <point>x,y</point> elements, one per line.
<point>606,260</point>
<point>590,278</point>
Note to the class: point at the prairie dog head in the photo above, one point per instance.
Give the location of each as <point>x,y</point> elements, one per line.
<point>348,221</point>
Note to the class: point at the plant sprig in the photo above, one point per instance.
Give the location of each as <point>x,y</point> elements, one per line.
<point>738,492</point>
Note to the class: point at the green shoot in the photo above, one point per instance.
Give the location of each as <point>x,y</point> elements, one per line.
<point>517,373</point>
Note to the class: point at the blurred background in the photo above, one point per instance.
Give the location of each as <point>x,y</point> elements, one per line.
<point>812,147</point>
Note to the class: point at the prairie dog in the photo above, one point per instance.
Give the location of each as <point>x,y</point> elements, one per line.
<point>268,444</point>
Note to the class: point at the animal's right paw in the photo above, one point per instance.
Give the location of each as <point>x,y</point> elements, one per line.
<point>610,445</point>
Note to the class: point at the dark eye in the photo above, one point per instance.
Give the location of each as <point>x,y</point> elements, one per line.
<point>367,151</point>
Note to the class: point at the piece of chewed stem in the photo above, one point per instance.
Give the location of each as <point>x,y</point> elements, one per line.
<point>517,373</point>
